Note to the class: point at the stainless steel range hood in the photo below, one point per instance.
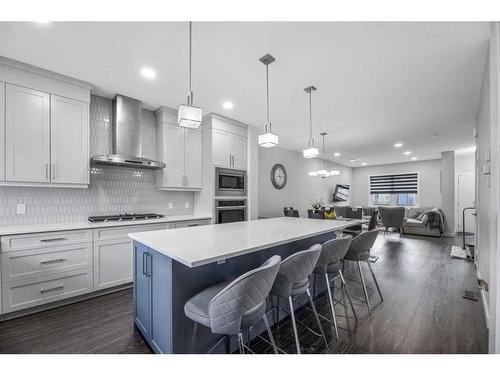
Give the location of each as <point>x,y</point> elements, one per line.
<point>127,145</point>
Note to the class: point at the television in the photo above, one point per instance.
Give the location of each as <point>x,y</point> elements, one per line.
<point>341,193</point>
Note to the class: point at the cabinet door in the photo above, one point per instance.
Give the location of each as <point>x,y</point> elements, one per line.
<point>69,147</point>
<point>173,174</point>
<point>192,157</point>
<point>2,132</point>
<point>112,263</point>
<point>142,289</point>
<point>27,134</point>
<point>239,152</point>
<point>221,148</point>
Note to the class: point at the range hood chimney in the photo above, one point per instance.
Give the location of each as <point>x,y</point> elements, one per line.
<point>127,145</point>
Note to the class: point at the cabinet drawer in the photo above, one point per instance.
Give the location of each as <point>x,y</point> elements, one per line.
<point>45,239</point>
<point>194,223</point>
<point>122,232</point>
<point>28,264</point>
<point>18,295</point>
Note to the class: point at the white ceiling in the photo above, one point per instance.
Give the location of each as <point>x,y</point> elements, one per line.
<point>378,83</point>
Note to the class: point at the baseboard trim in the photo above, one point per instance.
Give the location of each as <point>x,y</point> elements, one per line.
<point>484,302</point>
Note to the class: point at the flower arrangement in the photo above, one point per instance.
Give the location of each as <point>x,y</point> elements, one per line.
<point>317,203</point>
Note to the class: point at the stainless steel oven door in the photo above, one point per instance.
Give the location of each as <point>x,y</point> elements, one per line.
<point>230,214</point>
<point>230,182</point>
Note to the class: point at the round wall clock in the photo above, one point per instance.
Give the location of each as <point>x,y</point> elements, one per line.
<point>278,176</point>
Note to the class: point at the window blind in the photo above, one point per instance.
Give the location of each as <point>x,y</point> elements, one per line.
<point>394,183</point>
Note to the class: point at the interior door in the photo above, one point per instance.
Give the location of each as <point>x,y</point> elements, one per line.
<point>69,151</point>
<point>466,198</point>
<point>27,134</point>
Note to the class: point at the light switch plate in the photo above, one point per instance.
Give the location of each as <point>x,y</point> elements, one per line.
<point>186,205</point>
<point>170,205</point>
<point>21,209</point>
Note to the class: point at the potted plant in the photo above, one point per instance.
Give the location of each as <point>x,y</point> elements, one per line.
<point>317,203</point>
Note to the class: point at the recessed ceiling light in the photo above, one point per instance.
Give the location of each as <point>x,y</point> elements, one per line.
<point>414,158</point>
<point>148,73</point>
<point>363,163</point>
<point>407,152</point>
<point>227,105</point>
<point>336,154</point>
<point>398,144</point>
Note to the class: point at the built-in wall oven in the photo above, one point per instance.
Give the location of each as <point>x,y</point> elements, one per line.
<point>230,182</point>
<point>230,210</point>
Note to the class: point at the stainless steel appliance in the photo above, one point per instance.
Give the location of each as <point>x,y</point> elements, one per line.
<point>230,182</point>
<point>123,217</point>
<point>230,210</point>
<point>127,140</point>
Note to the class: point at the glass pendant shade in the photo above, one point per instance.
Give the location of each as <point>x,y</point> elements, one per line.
<point>323,173</point>
<point>189,116</point>
<point>268,139</point>
<point>311,152</point>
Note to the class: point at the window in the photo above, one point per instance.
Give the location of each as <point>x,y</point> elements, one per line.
<point>394,190</point>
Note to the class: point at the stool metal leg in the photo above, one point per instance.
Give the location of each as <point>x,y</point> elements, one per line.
<point>330,298</point>
<point>292,314</point>
<point>364,288</point>
<point>375,280</point>
<point>241,343</point>
<point>270,334</point>
<point>193,338</point>
<point>311,300</point>
<point>348,296</point>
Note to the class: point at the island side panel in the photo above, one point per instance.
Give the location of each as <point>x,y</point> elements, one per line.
<point>186,282</point>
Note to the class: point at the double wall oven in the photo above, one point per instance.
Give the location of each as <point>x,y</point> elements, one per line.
<point>230,192</point>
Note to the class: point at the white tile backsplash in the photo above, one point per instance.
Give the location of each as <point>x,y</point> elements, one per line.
<point>112,189</point>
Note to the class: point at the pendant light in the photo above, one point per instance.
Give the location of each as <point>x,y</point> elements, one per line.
<point>323,173</point>
<point>310,151</point>
<point>189,116</point>
<point>268,139</point>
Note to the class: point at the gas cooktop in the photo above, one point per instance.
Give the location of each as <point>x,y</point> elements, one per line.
<point>123,217</point>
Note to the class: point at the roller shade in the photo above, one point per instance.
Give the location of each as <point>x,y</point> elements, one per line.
<point>394,183</point>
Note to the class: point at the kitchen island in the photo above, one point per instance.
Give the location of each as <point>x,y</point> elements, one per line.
<point>171,266</point>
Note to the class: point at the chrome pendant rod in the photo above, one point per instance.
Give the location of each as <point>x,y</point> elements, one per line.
<point>190,92</point>
<point>267,97</point>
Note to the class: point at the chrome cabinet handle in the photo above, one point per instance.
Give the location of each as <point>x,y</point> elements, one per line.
<point>60,260</point>
<point>148,256</point>
<point>60,287</point>
<point>53,172</point>
<point>46,171</point>
<point>53,239</point>
<point>144,260</point>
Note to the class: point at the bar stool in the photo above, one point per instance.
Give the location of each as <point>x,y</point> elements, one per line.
<point>293,281</point>
<point>358,252</point>
<point>330,263</point>
<point>229,307</point>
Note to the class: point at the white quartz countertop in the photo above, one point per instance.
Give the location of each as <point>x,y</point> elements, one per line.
<point>196,246</point>
<point>6,230</point>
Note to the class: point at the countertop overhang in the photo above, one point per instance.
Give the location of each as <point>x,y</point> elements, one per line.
<point>197,246</point>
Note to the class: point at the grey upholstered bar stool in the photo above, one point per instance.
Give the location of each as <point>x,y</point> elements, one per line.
<point>358,252</point>
<point>292,281</point>
<point>229,307</point>
<point>330,264</point>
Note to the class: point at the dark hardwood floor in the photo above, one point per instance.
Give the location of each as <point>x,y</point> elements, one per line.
<point>423,312</point>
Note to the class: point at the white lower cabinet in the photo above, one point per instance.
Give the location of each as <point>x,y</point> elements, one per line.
<point>112,263</point>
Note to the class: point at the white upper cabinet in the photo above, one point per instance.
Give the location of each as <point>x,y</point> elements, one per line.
<point>180,149</point>
<point>229,144</point>
<point>69,141</point>
<point>221,148</point>
<point>2,131</point>
<point>44,127</point>
<point>192,158</point>
<point>27,134</point>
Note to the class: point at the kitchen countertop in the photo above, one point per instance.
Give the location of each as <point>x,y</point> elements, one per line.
<point>197,246</point>
<point>6,230</point>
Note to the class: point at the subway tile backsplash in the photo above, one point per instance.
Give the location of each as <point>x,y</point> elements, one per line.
<point>112,189</point>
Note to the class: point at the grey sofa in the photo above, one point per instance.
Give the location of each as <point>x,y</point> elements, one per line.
<point>417,222</point>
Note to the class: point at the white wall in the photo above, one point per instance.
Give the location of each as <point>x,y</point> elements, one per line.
<point>429,172</point>
<point>448,191</point>
<point>465,163</point>
<point>301,188</point>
